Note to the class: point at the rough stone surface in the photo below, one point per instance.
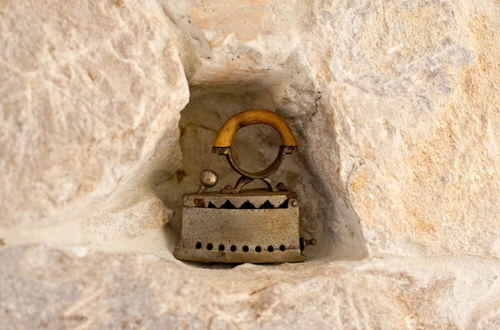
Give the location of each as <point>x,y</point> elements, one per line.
<point>71,289</point>
<point>394,105</point>
<point>411,90</point>
<point>88,90</point>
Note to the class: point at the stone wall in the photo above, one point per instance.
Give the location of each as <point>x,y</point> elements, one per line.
<point>108,111</point>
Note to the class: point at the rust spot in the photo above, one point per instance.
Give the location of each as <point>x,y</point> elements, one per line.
<point>198,202</point>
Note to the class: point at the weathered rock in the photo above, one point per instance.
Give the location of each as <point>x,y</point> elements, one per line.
<point>246,42</point>
<point>88,91</point>
<point>395,106</point>
<point>408,111</point>
<point>80,288</point>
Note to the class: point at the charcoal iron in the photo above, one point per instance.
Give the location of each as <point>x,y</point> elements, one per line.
<point>235,225</point>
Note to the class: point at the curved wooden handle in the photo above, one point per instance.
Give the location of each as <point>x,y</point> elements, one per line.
<point>226,134</point>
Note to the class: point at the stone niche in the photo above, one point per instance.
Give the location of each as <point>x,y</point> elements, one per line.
<point>255,147</point>
<point>108,113</point>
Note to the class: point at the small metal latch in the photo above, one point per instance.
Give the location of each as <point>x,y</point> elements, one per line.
<point>235,225</point>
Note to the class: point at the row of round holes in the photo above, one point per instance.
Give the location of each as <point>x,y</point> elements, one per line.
<point>233,248</point>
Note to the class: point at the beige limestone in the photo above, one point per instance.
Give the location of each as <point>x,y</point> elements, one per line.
<point>395,107</point>
<point>75,288</point>
<point>416,138</point>
<point>88,91</point>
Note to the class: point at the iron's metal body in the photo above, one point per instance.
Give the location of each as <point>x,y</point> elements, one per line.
<point>235,225</point>
<point>240,233</point>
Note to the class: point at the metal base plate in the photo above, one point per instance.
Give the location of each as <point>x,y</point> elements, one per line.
<point>238,257</point>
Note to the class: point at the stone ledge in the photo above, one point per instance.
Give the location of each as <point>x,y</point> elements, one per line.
<point>48,287</point>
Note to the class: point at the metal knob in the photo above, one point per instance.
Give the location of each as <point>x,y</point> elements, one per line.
<point>208,179</point>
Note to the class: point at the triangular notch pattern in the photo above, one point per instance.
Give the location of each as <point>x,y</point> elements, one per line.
<point>247,205</point>
<point>227,205</point>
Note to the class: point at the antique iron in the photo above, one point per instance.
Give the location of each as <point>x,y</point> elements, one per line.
<point>235,225</point>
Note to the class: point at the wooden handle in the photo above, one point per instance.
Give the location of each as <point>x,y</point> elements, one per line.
<point>226,134</point>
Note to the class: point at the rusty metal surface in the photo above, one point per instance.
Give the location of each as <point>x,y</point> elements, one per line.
<point>234,235</point>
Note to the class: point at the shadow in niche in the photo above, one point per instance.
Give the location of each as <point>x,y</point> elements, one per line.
<point>254,147</point>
